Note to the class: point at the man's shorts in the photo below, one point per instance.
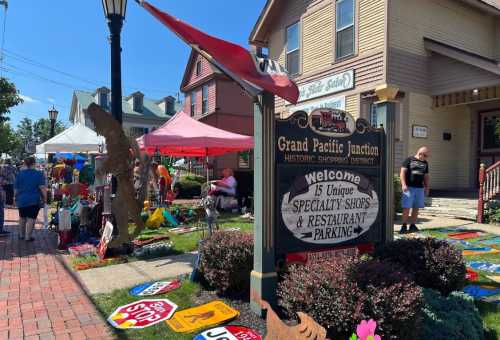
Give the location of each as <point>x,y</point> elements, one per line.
<point>413,198</point>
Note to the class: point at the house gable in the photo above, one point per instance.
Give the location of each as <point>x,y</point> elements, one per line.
<point>191,77</point>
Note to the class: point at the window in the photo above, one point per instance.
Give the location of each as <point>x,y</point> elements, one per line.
<point>344,28</point>
<point>490,131</point>
<point>198,68</point>
<point>103,100</point>
<point>204,99</point>
<point>137,101</point>
<point>193,103</point>
<point>292,49</point>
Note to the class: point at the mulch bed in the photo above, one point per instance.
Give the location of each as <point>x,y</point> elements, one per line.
<point>246,318</point>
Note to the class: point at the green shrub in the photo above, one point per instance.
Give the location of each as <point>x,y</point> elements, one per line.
<point>187,188</point>
<point>195,178</point>
<point>339,293</point>
<point>398,192</point>
<point>492,212</point>
<point>433,263</point>
<point>227,260</point>
<point>451,317</point>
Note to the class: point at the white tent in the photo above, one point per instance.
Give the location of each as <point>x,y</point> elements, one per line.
<point>75,139</point>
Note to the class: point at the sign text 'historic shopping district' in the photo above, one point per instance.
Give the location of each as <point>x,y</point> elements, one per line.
<point>330,177</point>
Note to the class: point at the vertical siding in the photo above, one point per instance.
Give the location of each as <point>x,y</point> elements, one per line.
<point>445,20</point>
<point>371,32</point>
<point>449,160</point>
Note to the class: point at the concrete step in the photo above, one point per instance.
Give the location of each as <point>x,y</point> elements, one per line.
<point>462,213</point>
<point>451,202</point>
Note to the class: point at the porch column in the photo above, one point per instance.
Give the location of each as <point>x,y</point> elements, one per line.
<point>263,279</point>
<point>386,115</point>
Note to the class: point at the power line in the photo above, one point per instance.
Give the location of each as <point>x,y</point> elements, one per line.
<point>32,62</point>
<point>4,3</point>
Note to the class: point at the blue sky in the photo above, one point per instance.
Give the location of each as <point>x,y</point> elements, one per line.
<point>71,37</point>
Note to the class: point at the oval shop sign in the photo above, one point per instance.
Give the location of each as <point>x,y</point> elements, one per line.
<point>332,122</point>
<point>329,206</point>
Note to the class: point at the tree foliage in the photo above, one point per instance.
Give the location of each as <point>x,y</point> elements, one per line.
<point>32,132</point>
<point>8,138</point>
<point>9,97</point>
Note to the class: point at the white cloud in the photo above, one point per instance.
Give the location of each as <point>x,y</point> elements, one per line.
<point>28,99</point>
<point>52,100</point>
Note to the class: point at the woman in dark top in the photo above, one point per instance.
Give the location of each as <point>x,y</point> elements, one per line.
<point>30,194</point>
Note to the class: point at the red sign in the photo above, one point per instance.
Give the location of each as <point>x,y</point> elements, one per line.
<point>141,314</point>
<point>308,256</point>
<point>235,61</point>
<point>229,333</point>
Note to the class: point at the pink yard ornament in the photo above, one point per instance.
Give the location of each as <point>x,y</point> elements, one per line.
<point>366,330</point>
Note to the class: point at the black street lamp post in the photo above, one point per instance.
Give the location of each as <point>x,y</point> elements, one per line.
<point>114,10</point>
<point>53,117</point>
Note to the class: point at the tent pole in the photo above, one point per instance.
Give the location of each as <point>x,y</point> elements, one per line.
<point>206,163</point>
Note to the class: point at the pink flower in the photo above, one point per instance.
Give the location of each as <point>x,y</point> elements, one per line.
<point>366,330</point>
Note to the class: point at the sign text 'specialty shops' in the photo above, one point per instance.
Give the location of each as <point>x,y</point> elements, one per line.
<point>329,180</point>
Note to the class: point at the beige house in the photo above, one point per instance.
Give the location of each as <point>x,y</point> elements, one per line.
<point>443,55</point>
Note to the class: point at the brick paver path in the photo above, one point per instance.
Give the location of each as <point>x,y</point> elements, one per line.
<point>39,299</point>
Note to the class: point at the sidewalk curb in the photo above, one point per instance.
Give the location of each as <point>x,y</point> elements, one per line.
<point>80,284</point>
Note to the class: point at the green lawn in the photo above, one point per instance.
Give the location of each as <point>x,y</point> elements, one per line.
<point>183,297</point>
<point>189,242</point>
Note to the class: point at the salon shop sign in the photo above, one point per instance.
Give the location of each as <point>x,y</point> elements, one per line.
<point>329,206</point>
<point>141,314</point>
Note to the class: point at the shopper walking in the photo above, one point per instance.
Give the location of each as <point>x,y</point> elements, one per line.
<point>30,195</point>
<point>415,185</point>
<point>8,172</point>
<point>2,206</point>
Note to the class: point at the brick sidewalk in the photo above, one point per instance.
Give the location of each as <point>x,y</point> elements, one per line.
<point>39,299</point>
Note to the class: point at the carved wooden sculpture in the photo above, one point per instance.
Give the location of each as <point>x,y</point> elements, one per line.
<point>121,154</point>
<point>307,329</point>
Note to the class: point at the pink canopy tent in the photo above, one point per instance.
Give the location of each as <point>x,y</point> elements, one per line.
<point>182,135</point>
<point>185,136</point>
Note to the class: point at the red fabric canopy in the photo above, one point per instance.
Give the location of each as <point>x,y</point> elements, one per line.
<point>232,59</point>
<point>185,136</point>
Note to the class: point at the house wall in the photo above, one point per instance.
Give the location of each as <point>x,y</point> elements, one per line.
<point>448,21</point>
<point>449,160</point>
<point>317,44</point>
<point>232,100</point>
<point>212,99</point>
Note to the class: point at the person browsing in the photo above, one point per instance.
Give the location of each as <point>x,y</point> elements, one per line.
<point>225,186</point>
<point>415,185</point>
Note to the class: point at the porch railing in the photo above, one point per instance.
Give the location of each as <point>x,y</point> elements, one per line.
<point>489,187</point>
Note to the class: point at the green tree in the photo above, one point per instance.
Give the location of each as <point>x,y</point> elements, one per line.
<point>41,129</point>
<point>8,139</point>
<point>9,97</point>
<point>33,132</point>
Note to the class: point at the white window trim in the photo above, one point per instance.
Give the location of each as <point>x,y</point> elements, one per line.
<point>299,48</point>
<point>203,99</point>
<point>192,103</point>
<point>337,30</point>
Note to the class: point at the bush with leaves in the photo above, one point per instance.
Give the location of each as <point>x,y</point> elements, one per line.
<point>451,317</point>
<point>339,293</point>
<point>227,260</point>
<point>187,188</point>
<point>433,263</point>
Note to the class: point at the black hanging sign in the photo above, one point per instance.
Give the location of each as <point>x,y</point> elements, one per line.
<point>329,181</point>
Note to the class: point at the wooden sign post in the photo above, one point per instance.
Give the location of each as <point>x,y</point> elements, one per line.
<point>323,185</point>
